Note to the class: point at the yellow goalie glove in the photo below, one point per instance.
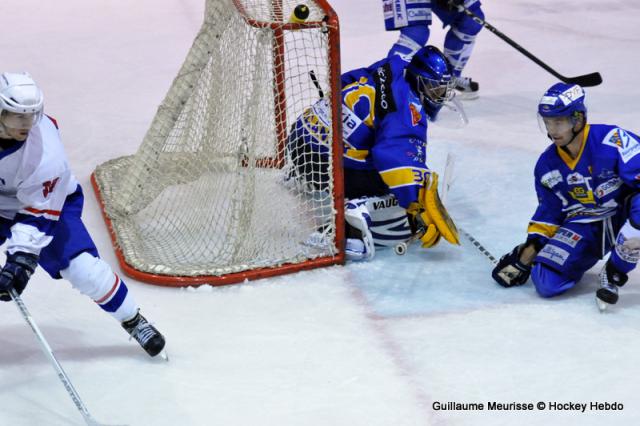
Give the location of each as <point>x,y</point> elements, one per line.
<point>430,217</point>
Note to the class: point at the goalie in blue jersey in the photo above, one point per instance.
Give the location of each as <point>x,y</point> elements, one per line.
<point>391,192</point>
<point>588,185</point>
<point>413,19</point>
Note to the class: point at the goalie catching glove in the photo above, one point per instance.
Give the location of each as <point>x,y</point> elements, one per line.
<point>429,218</point>
<point>510,271</point>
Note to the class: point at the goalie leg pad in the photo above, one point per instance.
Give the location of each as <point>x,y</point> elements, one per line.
<point>389,224</point>
<point>357,216</point>
<point>435,212</point>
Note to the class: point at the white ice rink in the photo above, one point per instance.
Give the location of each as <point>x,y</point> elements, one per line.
<point>365,344</point>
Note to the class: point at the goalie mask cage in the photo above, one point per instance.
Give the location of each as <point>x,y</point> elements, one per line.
<point>211,197</point>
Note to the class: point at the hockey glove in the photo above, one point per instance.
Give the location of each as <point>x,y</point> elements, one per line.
<point>449,5</point>
<point>16,273</point>
<point>429,217</point>
<point>421,224</point>
<point>510,271</point>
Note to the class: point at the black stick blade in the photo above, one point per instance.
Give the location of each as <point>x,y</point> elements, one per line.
<point>587,80</point>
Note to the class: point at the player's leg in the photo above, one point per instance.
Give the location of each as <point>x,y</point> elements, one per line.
<point>624,257</point>
<point>72,255</point>
<point>412,19</point>
<point>459,42</point>
<point>562,262</point>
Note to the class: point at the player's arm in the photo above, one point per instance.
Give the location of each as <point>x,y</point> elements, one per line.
<point>401,162</point>
<point>514,268</point>
<point>42,199</point>
<point>32,231</point>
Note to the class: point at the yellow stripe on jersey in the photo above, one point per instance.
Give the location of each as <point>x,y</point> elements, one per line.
<point>572,162</point>
<point>355,92</point>
<point>403,176</point>
<point>356,154</point>
<point>544,229</point>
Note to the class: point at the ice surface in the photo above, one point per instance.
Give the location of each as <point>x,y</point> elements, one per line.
<point>366,344</point>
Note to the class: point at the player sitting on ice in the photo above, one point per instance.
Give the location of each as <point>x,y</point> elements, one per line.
<point>385,108</point>
<point>587,186</point>
<point>413,19</point>
<point>40,208</point>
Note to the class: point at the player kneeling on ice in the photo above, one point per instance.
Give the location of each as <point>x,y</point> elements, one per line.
<point>40,208</point>
<point>391,194</point>
<point>587,184</point>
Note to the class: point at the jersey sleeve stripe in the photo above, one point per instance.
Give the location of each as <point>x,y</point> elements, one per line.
<point>544,229</point>
<point>402,176</point>
<point>42,212</point>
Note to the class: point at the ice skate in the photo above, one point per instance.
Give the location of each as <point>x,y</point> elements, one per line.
<point>610,280</point>
<point>146,335</point>
<point>467,89</point>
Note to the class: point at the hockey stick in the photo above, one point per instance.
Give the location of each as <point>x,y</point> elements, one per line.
<point>586,80</point>
<point>316,83</point>
<point>479,246</point>
<point>66,382</point>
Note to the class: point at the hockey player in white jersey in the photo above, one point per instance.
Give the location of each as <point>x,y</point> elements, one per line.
<point>413,19</point>
<point>40,212</point>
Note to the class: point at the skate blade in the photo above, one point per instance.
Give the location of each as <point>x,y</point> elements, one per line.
<point>602,305</point>
<point>163,355</point>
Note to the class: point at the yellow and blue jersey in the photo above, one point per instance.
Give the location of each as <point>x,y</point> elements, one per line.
<point>385,127</point>
<point>590,187</point>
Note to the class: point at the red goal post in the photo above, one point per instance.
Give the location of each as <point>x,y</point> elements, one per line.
<point>209,197</point>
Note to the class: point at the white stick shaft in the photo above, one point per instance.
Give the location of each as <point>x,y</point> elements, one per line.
<point>49,353</point>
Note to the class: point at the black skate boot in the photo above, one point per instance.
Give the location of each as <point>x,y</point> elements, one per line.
<point>610,280</point>
<point>466,88</point>
<point>147,335</point>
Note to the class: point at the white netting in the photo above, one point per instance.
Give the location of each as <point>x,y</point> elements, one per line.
<point>208,192</point>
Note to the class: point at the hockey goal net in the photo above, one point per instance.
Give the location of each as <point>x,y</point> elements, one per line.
<point>209,196</point>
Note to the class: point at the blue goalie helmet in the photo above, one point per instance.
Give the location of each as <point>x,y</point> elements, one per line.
<point>563,100</point>
<point>430,77</point>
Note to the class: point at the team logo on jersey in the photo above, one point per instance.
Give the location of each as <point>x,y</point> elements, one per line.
<point>567,237</point>
<point>551,179</point>
<point>613,139</point>
<point>416,116</point>
<point>575,178</point>
<point>554,254</point>
<point>48,187</point>
<point>608,187</point>
<point>627,145</point>
<point>630,146</point>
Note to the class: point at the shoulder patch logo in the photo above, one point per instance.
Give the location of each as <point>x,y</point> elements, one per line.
<point>48,187</point>
<point>416,116</point>
<point>551,179</point>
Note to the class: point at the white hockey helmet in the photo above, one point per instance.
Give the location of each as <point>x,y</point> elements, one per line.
<point>21,100</point>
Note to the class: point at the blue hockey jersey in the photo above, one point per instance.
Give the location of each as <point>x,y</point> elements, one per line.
<point>385,127</point>
<point>590,187</point>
